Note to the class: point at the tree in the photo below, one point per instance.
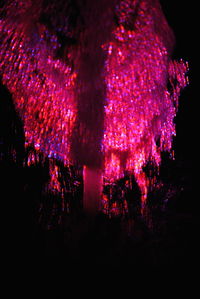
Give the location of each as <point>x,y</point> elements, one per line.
<point>94,84</point>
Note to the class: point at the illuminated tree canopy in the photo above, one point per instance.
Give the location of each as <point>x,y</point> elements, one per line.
<point>93,81</point>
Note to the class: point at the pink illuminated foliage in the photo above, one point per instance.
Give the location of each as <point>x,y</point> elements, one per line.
<point>94,82</point>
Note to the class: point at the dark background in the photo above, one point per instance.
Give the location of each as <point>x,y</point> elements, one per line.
<point>182,18</point>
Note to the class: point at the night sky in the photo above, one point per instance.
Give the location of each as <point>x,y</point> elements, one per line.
<point>180,16</point>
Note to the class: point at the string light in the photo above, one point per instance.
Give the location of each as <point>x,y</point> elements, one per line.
<point>139,106</point>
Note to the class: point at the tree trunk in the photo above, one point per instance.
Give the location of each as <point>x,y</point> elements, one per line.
<point>92,180</point>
